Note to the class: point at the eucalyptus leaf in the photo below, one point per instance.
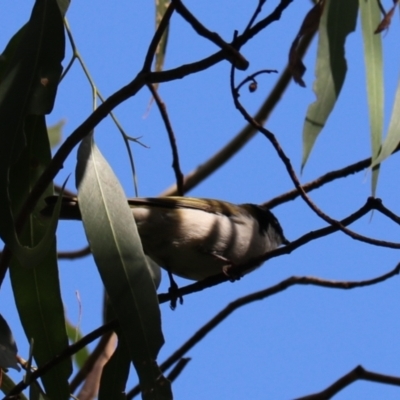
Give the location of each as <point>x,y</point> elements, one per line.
<point>55,133</point>
<point>392,139</point>
<point>37,289</point>
<point>370,18</point>
<point>338,20</point>
<point>7,384</point>
<point>114,241</point>
<point>8,347</point>
<point>115,374</point>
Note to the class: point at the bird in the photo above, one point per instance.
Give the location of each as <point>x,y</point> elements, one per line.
<point>196,238</point>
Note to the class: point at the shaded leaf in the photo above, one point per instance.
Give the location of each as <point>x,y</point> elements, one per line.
<point>29,78</point>
<point>370,15</point>
<point>7,384</point>
<point>115,374</point>
<point>308,27</point>
<point>118,253</point>
<point>37,290</point>
<point>63,5</point>
<point>337,21</point>
<point>8,347</point>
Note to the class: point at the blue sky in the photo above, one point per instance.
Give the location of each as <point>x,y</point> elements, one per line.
<point>298,341</point>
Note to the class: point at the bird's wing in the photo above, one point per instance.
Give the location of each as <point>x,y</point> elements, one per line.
<point>207,205</point>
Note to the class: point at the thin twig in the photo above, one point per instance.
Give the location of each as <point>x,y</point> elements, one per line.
<point>289,168</point>
<point>358,373</point>
<point>112,325</point>
<point>171,136</point>
<point>232,54</point>
<point>67,353</point>
<point>157,37</point>
<point>175,372</point>
<point>261,295</point>
<point>205,63</point>
<point>241,269</point>
<point>196,176</point>
<point>114,100</point>
<point>72,255</point>
<point>255,14</point>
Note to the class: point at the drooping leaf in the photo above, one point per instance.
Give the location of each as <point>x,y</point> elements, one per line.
<point>37,290</point>
<point>118,253</point>
<point>161,6</point>
<point>74,334</point>
<point>392,138</point>
<point>308,27</point>
<point>115,374</point>
<point>337,21</point>
<point>29,77</point>
<point>370,15</point>
<point>8,347</point>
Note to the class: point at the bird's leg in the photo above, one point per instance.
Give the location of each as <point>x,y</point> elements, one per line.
<point>173,291</point>
<point>229,268</point>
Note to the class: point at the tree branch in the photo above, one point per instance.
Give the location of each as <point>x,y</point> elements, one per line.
<point>261,295</point>
<point>358,373</point>
<point>172,140</point>
<point>292,174</point>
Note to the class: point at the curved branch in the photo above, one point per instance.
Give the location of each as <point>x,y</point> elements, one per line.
<point>172,140</point>
<point>261,295</point>
<point>193,178</point>
<point>358,373</point>
<point>232,55</point>
<point>292,174</point>
<point>112,325</point>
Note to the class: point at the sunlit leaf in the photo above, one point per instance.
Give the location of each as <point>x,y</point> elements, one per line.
<point>117,250</point>
<point>338,20</point>
<point>161,6</point>
<point>370,15</point>
<point>392,139</point>
<point>55,133</point>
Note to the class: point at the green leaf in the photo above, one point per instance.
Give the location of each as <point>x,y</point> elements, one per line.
<point>161,6</point>
<point>393,136</point>
<point>7,384</point>
<point>118,253</point>
<point>55,133</point>
<point>370,18</point>
<point>74,334</point>
<point>115,374</point>
<point>29,79</point>
<point>37,290</point>
<point>338,20</point>
<point>8,347</point>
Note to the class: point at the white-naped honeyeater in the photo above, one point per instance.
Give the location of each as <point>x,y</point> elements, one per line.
<point>196,238</point>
